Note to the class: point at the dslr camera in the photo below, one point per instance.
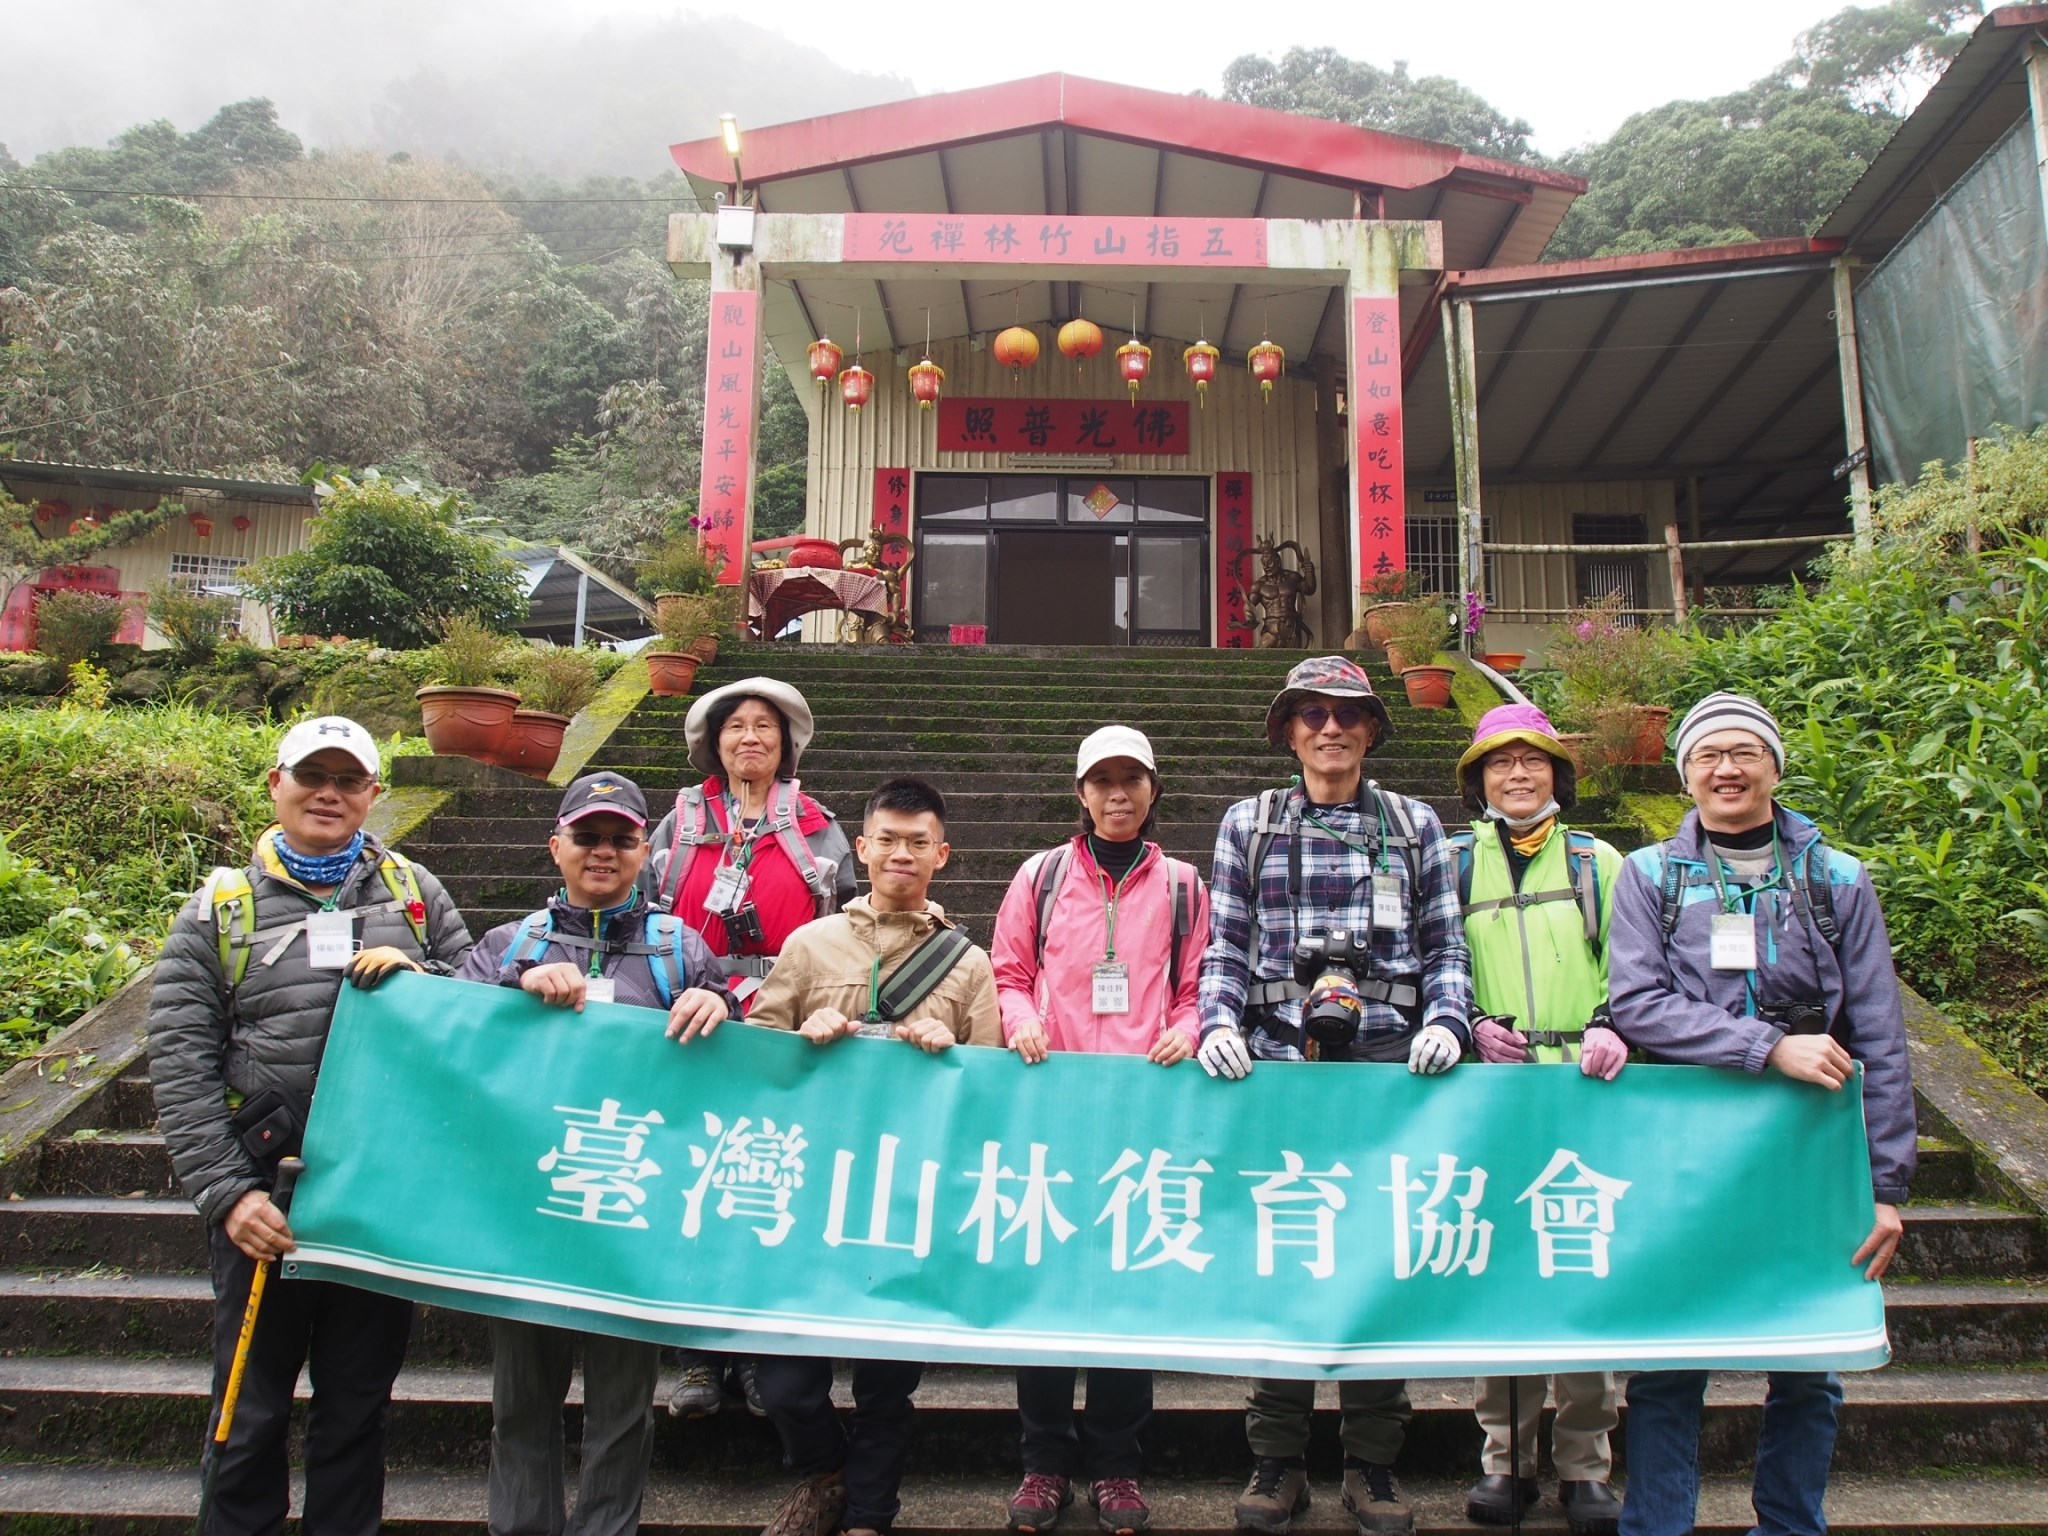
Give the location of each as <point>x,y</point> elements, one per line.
<point>1330,965</point>
<point>1799,1016</point>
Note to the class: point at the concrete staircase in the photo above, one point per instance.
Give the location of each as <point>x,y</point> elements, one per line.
<point>104,1297</point>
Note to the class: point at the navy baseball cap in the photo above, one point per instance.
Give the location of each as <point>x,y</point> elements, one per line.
<point>597,794</point>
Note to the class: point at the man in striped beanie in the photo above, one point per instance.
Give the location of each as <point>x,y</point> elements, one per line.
<point>1745,942</point>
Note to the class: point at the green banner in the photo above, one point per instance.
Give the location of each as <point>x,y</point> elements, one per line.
<point>473,1148</point>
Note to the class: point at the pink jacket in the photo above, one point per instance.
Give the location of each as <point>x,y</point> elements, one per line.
<point>1061,994</point>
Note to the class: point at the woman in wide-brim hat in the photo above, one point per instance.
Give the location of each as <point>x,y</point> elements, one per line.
<point>1536,897</point>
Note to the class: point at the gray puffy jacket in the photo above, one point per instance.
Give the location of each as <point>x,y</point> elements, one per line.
<point>270,1033</point>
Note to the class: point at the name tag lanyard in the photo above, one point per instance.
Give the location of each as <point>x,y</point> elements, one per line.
<point>1383,909</point>
<point>1111,982</point>
<point>1733,941</point>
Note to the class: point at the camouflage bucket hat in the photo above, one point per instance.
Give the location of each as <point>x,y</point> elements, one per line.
<point>1337,677</point>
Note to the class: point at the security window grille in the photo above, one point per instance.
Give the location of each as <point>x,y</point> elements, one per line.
<point>1433,553</point>
<point>210,576</point>
<point>1602,575</point>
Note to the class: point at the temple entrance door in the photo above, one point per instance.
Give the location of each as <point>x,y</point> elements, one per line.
<point>1057,588</point>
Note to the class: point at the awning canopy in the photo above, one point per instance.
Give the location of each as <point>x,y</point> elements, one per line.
<point>1063,145</point>
<point>1719,364</point>
<point>552,577</point>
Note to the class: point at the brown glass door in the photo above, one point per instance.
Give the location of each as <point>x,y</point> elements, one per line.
<point>1055,588</point>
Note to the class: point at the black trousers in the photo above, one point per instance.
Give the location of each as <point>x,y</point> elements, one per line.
<point>797,1392</point>
<point>352,1343</point>
<point>1104,1441</point>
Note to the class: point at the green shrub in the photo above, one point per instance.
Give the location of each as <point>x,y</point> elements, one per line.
<point>57,957</point>
<point>470,654</point>
<point>192,622</point>
<point>676,564</point>
<point>73,626</point>
<point>557,679</point>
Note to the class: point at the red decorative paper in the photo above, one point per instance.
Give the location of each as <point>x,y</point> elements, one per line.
<point>1063,426</point>
<point>1233,545</point>
<point>892,510</point>
<point>1037,240</point>
<point>725,483</point>
<point>1376,461</point>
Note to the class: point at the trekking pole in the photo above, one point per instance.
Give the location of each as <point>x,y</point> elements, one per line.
<point>288,1171</point>
<point>1515,1455</point>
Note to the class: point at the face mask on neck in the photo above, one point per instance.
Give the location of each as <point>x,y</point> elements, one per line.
<point>1541,814</point>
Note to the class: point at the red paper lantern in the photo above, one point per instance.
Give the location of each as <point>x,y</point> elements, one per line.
<point>825,360</point>
<point>1267,361</point>
<point>1080,339</point>
<point>1200,362</point>
<point>52,511</point>
<point>1016,348</point>
<point>856,387</point>
<point>1134,361</point>
<point>926,380</point>
<point>242,523</point>
<point>201,524</point>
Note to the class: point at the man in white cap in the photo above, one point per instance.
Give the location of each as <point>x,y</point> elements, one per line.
<point>1355,890</point>
<point>1745,942</point>
<point>238,1018</point>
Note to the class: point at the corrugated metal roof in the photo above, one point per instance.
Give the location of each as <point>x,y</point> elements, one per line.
<point>113,477</point>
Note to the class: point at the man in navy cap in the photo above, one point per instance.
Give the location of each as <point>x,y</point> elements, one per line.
<point>596,941</point>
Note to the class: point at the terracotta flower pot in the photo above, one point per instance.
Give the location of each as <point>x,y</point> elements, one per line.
<point>704,648</point>
<point>1397,663</point>
<point>466,722</point>
<point>1428,685</point>
<point>670,673</point>
<point>1642,727</point>
<point>532,742</point>
<point>1504,661</point>
<point>665,604</point>
<point>1375,619</point>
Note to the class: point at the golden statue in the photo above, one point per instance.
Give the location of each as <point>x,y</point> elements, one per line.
<point>868,554</point>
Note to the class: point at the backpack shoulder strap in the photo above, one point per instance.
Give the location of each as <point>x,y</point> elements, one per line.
<point>1581,858</point>
<point>1670,891</point>
<point>404,886</point>
<point>1818,892</point>
<point>1046,879</point>
<point>665,941</point>
<point>1269,826</point>
<point>690,818</point>
<point>1182,889</point>
<point>1393,811</point>
<point>914,980</point>
<point>536,931</point>
<point>226,890</point>
<point>783,805</point>
<point>1461,844</point>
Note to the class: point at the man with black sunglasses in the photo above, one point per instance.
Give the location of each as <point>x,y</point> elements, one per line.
<point>595,942</point>
<point>238,1019</point>
<point>1336,868</point>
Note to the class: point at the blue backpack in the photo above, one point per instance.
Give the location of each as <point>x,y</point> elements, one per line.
<point>662,940</point>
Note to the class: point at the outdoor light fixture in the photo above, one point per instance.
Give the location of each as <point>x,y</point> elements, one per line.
<point>735,231</point>
<point>729,132</point>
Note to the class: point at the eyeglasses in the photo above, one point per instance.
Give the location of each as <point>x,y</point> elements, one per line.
<point>625,842</point>
<point>1750,756</point>
<point>1316,716</point>
<point>317,779</point>
<point>886,843</point>
<point>1528,762</point>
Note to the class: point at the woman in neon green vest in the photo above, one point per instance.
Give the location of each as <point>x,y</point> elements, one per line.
<point>1536,906</point>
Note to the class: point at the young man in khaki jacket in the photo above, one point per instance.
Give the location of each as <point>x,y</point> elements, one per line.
<point>842,975</point>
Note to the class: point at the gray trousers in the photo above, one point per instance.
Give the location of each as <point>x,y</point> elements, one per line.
<point>529,1383</point>
<point>1578,1437</point>
<point>1372,1422</point>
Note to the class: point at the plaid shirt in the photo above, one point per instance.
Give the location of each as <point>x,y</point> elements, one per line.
<point>1336,892</point>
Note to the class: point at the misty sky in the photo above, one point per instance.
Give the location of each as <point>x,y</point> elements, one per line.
<point>81,70</point>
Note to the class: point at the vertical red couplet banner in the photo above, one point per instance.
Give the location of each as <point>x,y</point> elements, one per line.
<point>892,510</point>
<point>1376,460</point>
<point>725,482</point>
<point>1233,544</point>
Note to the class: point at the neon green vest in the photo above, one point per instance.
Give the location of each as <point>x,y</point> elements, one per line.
<point>1533,961</point>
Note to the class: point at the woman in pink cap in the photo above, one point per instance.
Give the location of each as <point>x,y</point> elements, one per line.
<point>1098,947</point>
<point>1536,899</point>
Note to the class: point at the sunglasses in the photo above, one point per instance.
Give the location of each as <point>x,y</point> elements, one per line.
<point>625,842</point>
<point>319,778</point>
<point>1316,716</point>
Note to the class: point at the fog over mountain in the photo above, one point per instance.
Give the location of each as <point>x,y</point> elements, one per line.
<point>509,85</point>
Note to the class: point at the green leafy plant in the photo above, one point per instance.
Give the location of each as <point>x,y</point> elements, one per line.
<point>1390,587</point>
<point>686,618</point>
<point>1602,662</point>
<point>57,958</point>
<point>677,565</point>
<point>469,654</point>
<point>1417,631</point>
<point>72,626</point>
<point>557,679</point>
<point>193,622</point>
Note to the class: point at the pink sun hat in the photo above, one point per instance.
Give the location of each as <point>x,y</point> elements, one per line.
<point>1513,722</point>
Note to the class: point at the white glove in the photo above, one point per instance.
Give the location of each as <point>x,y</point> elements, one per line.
<point>1434,1049</point>
<point>1223,1053</point>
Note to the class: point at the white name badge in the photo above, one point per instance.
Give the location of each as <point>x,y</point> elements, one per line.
<point>1733,947</point>
<point>1386,901</point>
<point>726,888</point>
<point>330,941</point>
<point>1112,987</point>
<point>599,989</point>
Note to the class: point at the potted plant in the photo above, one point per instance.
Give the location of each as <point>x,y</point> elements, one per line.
<point>677,567</point>
<point>1614,671</point>
<point>671,666</point>
<point>1415,633</point>
<point>462,710</point>
<point>723,605</point>
<point>555,682</point>
<point>1383,595</point>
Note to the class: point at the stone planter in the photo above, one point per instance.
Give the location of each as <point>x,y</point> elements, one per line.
<point>1428,685</point>
<point>532,742</point>
<point>670,673</point>
<point>466,722</point>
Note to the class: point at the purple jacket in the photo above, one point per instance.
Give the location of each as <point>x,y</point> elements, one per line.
<point>1668,999</point>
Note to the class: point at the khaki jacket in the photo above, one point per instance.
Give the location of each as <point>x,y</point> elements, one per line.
<point>830,964</point>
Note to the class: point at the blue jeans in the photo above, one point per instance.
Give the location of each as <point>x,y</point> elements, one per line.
<point>1793,1451</point>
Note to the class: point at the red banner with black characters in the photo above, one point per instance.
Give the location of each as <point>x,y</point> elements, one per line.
<point>1375,406</point>
<point>1063,426</point>
<point>892,512</point>
<point>728,459</point>
<point>1233,546</point>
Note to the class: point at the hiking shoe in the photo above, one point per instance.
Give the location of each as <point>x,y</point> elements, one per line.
<point>1119,1508</point>
<point>744,1384</point>
<point>1370,1495</point>
<point>1592,1508</point>
<point>1497,1499</point>
<point>1037,1503</point>
<point>1277,1493</point>
<point>698,1395</point>
<point>811,1508</point>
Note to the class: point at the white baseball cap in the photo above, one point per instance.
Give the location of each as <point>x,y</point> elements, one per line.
<point>1114,741</point>
<point>329,732</point>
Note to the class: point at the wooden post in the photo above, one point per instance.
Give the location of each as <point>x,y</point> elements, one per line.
<point>1677,559</point>
<point>1852,402</point>
<point>1339,583</point>
<point>1461,367</point>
